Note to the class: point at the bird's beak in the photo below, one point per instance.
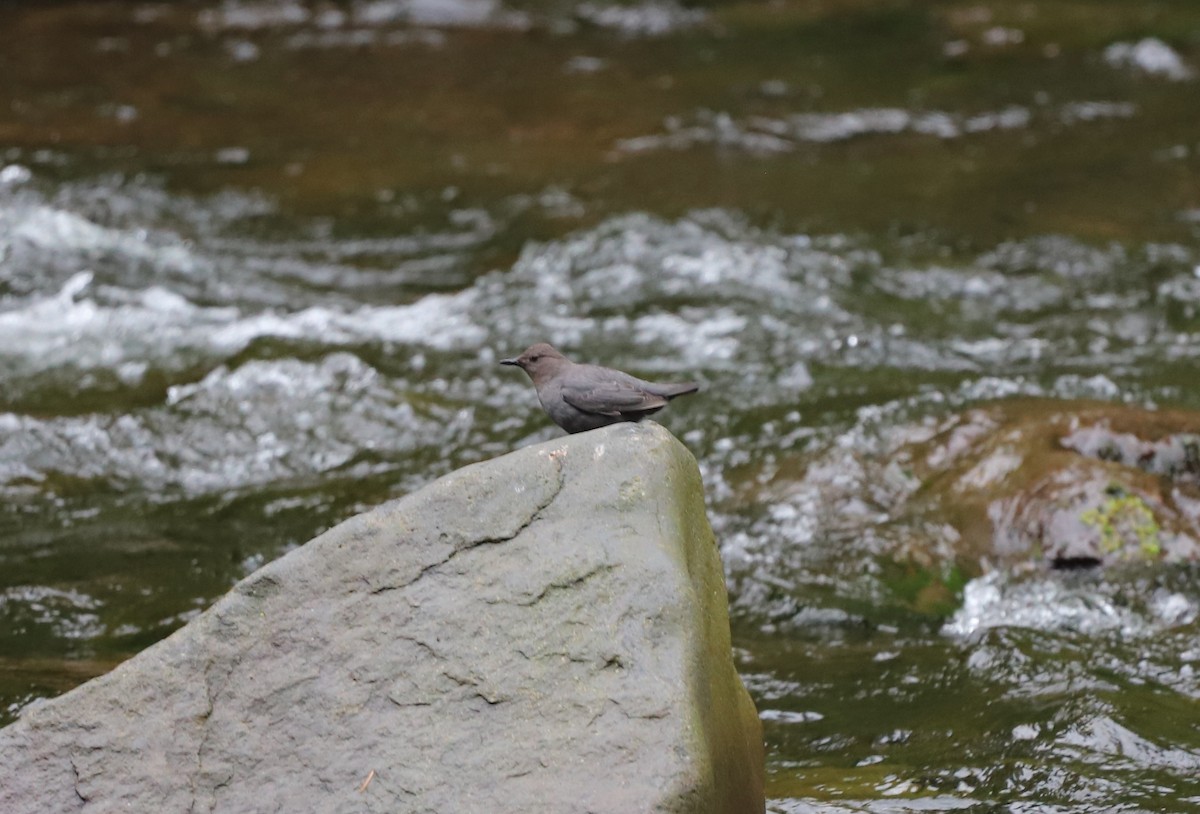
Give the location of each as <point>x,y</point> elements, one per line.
<point>513,362</point>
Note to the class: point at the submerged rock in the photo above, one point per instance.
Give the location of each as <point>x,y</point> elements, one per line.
<point>547,631</point>
<point>1065,482</point>
<point>912,510</point>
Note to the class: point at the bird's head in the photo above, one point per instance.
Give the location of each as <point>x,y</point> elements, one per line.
<point>538,361</point>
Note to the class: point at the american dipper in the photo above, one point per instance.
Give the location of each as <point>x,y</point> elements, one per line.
<point>584,397</point>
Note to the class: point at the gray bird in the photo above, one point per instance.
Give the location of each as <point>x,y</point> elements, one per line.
<point>584,397</point>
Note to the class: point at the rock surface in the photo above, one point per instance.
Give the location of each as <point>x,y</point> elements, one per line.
<point>910,510</point>
<point>1067,483</point>
<point>546,631</point>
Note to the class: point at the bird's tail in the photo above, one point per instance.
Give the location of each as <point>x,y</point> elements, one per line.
<point>671,390</point>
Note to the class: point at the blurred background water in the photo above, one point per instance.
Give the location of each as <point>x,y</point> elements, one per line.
<point>258,260</point>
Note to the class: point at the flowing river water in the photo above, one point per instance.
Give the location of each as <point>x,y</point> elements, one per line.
<point>258,261</point>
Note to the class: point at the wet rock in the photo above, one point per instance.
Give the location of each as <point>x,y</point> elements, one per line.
<point>1066,483</point>
<point>543,632</point>
<point>909,511</point>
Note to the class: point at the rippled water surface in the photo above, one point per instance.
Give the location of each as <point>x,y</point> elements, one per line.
<point>258,261</point>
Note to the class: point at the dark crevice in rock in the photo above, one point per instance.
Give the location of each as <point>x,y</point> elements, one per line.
<point>428,648</point>
<point>221,784</point>
<point>1074,563</point>
<point>83,799</point>
<point>460,680</point>
<point>642,716</point>
<point>560,655</point>
<point>592,720</point>
<point>567,585</point>
<point>210,695</point>
<point>534,516</point>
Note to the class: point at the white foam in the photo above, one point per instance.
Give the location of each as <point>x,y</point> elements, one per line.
<point>69,614</point>
<point>649,18</point>
<point>253,14</point>
<point>14,175</point>
<point>1150,55</point>
<point>258,423</point>
<point>36,231</point>
<point>1040,603</point>
<point>71,330</point>
<point>1104,736</point>
<point>766,135</point>
<point>157,326</point>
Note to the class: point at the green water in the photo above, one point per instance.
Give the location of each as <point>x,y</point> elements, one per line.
<point>256,267</point>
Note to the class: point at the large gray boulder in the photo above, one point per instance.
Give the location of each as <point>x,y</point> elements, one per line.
<point>544,632</point>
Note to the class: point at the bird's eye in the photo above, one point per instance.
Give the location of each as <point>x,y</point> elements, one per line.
<point>535,357</point>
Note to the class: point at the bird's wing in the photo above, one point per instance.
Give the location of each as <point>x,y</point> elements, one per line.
<point>611,397</point>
